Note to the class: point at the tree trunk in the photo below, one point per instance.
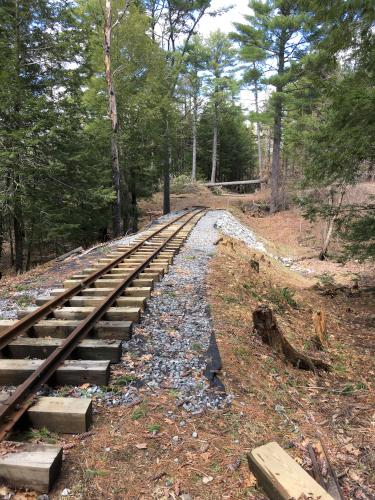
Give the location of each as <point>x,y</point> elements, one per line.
<point>260,166</point>
<point>331,224</point>
<point>214,143</point>
<point>194,161</point>
<point>277,130</point>
<point>167,171</point>
<point>275,167</point>
<point>112,111</point>
<point>18,238</point>
<point>134,210</point>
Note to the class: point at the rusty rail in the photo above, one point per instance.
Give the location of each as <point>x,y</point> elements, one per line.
<point>17,404</point>
<point>30,319</point>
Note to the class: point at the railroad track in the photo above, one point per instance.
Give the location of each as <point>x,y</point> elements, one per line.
<point>72,338</point>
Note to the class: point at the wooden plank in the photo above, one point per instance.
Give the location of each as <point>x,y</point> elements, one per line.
<point>112,314</point>
<point>81,300</point>
<point>34,466</point>
<point>149,274</point>
<point>24,347</point>
<point>122,270</point>
<point>281,477</point>
<point>6,323</point>
<point>138,291</point>
<point>63,415</point>
<point>142,282</point>
<point>60,328</point>
<point>113,283</point>
<point>72,372</point>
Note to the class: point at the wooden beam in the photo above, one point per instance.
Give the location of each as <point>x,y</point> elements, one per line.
<point>60,328</point>
<point>34,466</point>
<point>63,415</point>
<point>40,348</point>
<point>281,477</point>
<point>71,372</point>
<point>236,183</point>
<point>112,314</point>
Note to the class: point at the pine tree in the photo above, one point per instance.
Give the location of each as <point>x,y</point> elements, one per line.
<point>219,64</point>
<point>275,36</point>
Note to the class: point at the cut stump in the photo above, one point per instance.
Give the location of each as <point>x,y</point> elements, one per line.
<point>266,326</point>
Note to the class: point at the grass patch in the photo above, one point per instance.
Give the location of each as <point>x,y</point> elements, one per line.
<point>42,434</point>
<point>95,473</point>
<point>326,279</point>
<point>139,412</point>
<point>196,346</point>
<point>282,297</point>
<point>124,380</point>
<point>250,289</point>
<point>228,299</point>
<point>24,300</point>
<point>154,428</point>
<point>241,352</point>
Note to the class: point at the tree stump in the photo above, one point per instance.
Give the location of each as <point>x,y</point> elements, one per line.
<point>254,264</point>
<point>265,325</point>
<point>320,325</point>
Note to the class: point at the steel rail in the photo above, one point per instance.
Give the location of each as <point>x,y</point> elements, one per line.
<point>16,405</point>
<point>30,319</point>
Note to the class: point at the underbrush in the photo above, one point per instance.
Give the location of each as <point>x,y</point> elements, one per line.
<point>183,184</point>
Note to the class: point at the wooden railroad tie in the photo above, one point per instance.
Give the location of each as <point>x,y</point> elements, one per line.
<point>36,466</point>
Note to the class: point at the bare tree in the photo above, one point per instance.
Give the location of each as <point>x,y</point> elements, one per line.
<point>112,111</point>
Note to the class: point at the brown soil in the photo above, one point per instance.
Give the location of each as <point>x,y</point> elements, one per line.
<point>273,401</point>
<point>131,453</point>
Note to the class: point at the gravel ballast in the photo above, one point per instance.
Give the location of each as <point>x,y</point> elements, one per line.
<point>169,347</point>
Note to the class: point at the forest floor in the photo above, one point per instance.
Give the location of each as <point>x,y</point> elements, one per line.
<point>157,448</point>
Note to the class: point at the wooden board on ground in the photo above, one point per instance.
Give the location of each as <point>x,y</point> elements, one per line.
<point>63,415</point>
<point>15,371</point>
<point>281,477</point>
<point>58,328</point>
<point>34,466</point>
<point>40,348</point>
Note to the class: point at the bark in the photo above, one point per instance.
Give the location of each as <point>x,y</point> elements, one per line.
<point>112,111</point>
<point>214,142</point>
<point>266,326</point>
<point>134,210</point>
<point>330,226</point>
<point>277,131</point>
<point>194,161</point>
<point>275,166</point>
<point>166,191</point>
<point>18,238</point>
<point>166,172</point>
<point>260,165</point>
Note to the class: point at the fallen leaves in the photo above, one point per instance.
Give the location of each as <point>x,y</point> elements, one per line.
<point>141,446</point>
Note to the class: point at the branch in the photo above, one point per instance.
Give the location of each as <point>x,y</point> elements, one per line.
<point>121,15</point>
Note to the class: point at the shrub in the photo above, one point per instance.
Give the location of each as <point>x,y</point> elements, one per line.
<point>183,184</point>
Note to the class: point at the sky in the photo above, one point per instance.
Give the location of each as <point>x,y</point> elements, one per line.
<point>225,23</point>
